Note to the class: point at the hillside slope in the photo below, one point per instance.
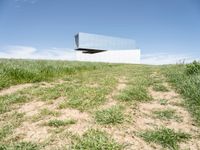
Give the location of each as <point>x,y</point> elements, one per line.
<point>75,105</point>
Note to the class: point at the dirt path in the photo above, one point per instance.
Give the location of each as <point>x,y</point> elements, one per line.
<point>14,89</point>
<point>145,119</point>
<point>111,97</point>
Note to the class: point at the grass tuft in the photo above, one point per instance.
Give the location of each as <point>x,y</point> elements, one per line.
<point>133,93</point>
<point>7,100</point>
<point>160,87</point>
<point>47,112</point>
<point>113,115</point>
<point>20,146</point>
<point>163,102</point>
<point>165,137</point>
<point>12,121</point>
<point>58,123</point>
<point>166,114</point>
<point>96,140</point>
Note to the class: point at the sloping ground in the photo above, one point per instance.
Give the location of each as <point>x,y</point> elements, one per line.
<point>121,107</point>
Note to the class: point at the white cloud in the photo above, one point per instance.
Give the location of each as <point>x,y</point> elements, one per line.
<point>165,58</point>
<point>26,52</point>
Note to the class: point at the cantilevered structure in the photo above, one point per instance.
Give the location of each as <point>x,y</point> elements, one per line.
<point>100,48</point>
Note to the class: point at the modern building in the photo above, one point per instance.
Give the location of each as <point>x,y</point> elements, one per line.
<point>100,48</point>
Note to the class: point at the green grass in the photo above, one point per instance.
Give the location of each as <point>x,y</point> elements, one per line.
<point>165,137</point>
<point>160,87</point>
<point>84,98</point>
<point>19,146</point>
<point>133,93</point>
<point>43,113</point>
<point>80,96</point>
<point>14,72</point>
<point>187,85</point>
<point>166,114</point>
<point>10,122</point>
<point>77,93</point>
<point>58,123</point>
<point>163,102</point>
<point>113,115</point>
<point>47,112</point>
<point>7,100</point>
<point>96,140</point>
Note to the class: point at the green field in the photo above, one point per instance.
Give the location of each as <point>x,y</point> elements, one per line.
<point>93,106</point>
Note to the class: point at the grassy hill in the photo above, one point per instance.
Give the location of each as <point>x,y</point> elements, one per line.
<point>80,105</point>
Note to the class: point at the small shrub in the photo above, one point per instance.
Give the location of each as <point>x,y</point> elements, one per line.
<point>58,123</point>
<point>96,140</point>
<point>165,137</point>
<point>112,115</point>
<point>193,68</point>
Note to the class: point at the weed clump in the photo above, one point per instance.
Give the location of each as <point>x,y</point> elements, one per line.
<point>163,102</point>
<point>96,140</point>
<point>58,123</point>
<point>20,146</point>
<point>133,93</point>
<point>165,137</point>
<point>112,115</point>
<point>193,68</point>
<point>166,114</point>
<point>160,87</point>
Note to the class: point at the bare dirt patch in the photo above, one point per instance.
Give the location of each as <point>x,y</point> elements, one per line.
<point>32,132</point>
<point>84,120</point>
<point>144,119</point>
<point>14,89</point>
<point>31,108</point>
<point>126,134</point>
<point>163,95</point>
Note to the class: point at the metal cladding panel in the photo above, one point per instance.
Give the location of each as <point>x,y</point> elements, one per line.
<point>100,42</point>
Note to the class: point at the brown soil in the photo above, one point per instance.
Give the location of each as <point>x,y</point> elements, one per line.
<point>145,120</point>
<point>14,89</point>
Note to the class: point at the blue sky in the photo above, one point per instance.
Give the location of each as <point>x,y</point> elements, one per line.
<point>164,30</point>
